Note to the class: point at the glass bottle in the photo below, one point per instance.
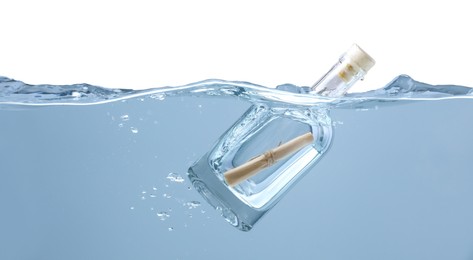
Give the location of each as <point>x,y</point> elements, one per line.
<point>271,147</point>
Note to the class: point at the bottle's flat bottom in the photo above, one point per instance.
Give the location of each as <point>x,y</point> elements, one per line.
<point>217,194</point>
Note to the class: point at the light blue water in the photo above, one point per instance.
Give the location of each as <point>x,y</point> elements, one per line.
<point>91,173</point>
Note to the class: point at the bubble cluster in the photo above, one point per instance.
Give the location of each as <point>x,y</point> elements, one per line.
<point>159,199</point>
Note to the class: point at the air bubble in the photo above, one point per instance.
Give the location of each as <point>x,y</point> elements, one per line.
<point>174,177</point>
<point>192,204</point>
<point>163,215</point>
<point>158,96</point>
<point>134,130</point>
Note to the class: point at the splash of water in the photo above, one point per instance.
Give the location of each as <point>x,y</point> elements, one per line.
<point>401,89</point>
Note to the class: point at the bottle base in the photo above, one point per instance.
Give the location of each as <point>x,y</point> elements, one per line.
<point>217,194</point>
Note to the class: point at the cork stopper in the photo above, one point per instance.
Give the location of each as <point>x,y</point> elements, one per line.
<point>360,58</point>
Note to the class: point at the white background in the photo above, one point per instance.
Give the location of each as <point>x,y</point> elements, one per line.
<point>143,44</point>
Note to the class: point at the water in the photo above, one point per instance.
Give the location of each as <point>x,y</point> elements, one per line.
<point>396,183</point>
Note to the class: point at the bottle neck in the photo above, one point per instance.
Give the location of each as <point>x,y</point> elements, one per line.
<point>351,67</point>
<point>341,77</point>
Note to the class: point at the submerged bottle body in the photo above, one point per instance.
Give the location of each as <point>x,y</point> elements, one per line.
<point>271,147</point>
<point>260,129</point>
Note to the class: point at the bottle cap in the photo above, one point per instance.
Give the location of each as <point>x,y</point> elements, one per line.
<point>360,58</point>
